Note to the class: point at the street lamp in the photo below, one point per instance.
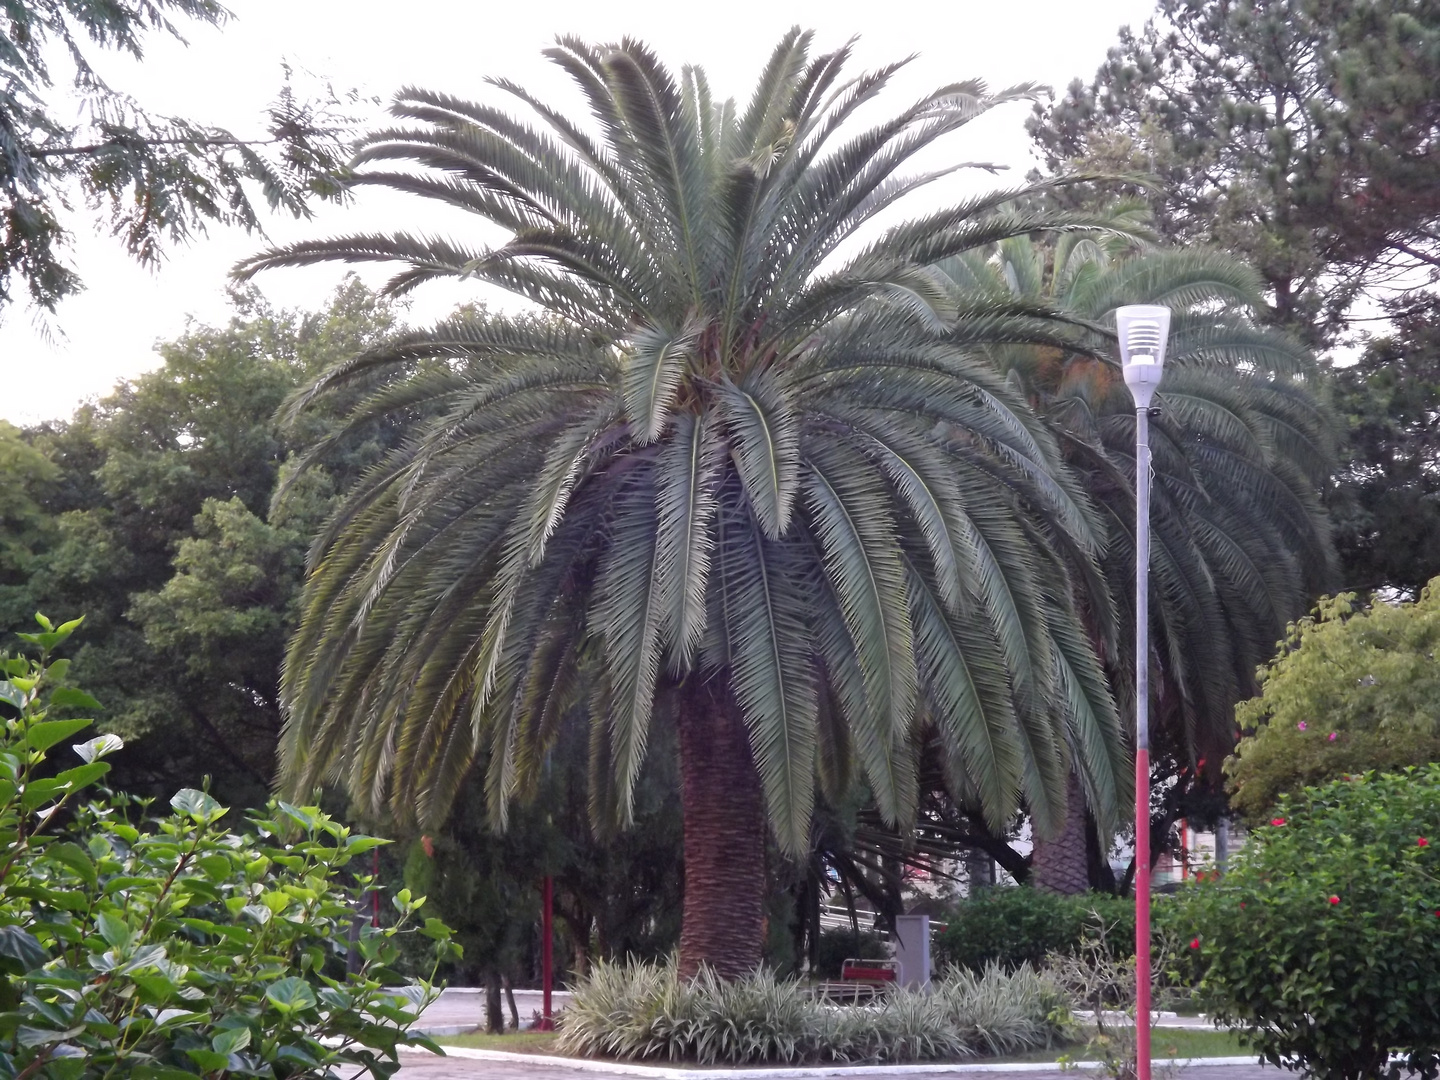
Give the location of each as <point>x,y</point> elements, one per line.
<point>1143,331</point>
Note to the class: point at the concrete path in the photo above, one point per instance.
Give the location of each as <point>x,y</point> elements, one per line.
<point>428,1067</point>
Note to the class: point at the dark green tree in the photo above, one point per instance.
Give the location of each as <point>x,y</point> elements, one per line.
<point>1386,500</point>
<point>156,522</point>
<point>730,481</point>
<point>151,179</point>
<point>1296,134</point>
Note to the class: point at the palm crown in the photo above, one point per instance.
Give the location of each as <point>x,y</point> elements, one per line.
<point>1241,443</point>
<point>722,461</point>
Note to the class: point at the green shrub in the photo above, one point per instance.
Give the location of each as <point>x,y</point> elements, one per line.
<point>642,1011</point>
<point>169,947</point>
<point>1322,943</point>
<point>1011,926</point>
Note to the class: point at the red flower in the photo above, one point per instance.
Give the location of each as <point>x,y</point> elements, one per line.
<point>428,845</point>
<point>1334,899</point>
<point>1195,944</point>
<point>1277,821</point>
<point>1242,905</point>
<point>1422,842</point>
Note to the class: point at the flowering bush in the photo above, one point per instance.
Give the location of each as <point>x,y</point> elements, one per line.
<point>172,947</point>
<point>1322,943</point>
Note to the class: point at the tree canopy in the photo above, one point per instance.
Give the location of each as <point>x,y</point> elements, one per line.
<point>1297,134</point>
<point>151,179</point>
<point>1353,688</point>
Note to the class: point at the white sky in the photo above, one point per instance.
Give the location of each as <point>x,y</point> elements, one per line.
<point>227,76</point>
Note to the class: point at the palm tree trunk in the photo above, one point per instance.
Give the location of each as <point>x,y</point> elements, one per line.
<point>1061,864</point>
<point>724,807</point>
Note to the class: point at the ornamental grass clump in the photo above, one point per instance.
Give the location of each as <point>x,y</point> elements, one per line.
<point>1322,942</point>
<point>639,1011</point>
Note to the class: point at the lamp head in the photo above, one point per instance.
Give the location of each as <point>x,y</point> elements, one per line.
<point>1144,330</point>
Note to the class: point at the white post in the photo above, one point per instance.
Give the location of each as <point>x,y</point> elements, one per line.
<point>1143,333</point>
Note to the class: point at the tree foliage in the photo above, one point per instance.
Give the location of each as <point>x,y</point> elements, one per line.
<point>1297,134</point>
<point>152,179</point>
<point>1386,501</point>
<point>1352,689</point>
<point>151,511</point>
<point>717,456</point>
<point>1242,448</point>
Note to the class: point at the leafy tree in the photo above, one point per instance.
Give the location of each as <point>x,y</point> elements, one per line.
<point>156,520</point>
<point>1241,450</point>
<point>152,179</point>
<point>25,473</point>
<point>1289,132</point>
<point>1386,501</point>
<point>725,479</point>
<point>1353,688</point>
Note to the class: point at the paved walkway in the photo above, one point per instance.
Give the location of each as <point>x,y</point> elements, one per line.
<point>425,1067</point>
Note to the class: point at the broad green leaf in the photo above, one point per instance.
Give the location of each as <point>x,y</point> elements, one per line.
<point>114,929</point>
<point>75,857</point>
<point>83,775</point>
<point>210,1061</point>
<point>47,733</point>
<point>77,699</point>
<point>290,994</point>
<point>231,1040</point>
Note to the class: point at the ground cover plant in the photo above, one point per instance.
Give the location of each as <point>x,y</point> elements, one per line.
<point>645,1011</point>
<point>163,946</point>
<point>1322,942</point>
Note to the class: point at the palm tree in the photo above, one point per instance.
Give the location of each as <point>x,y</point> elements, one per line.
<point>1242,447</point>
<point>724,476</point>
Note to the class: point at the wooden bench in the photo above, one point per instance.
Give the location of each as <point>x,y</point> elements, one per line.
<point>861,981</point>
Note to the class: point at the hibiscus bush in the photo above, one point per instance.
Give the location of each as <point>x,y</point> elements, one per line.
<point>161,947</point>
<point>1322,943</point>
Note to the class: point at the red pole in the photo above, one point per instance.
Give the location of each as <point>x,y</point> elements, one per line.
<point>1142,913</point>
<point>1142,743</point>
<point>547,927</point>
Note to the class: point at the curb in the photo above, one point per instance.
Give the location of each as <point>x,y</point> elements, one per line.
<point>660,1072</point>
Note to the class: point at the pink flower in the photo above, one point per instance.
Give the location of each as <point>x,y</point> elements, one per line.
<point>1277,821</point>
<point>1195,944</point>
<point>1334,900</point>
<point>1334,735</point>
<point>1422,842</point>
<point>1302,725</point>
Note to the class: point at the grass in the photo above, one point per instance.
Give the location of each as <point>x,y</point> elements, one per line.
<point>1166,1042</point>
<point>1179,1043</point>
<point>519,1042</point>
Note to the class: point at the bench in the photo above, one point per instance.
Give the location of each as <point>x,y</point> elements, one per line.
<point>861,981</point>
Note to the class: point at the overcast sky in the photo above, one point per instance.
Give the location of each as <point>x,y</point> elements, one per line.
<point>226,76</point>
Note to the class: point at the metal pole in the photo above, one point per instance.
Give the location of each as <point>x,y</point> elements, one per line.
<point>547,928</point>
<point>1142,742</point>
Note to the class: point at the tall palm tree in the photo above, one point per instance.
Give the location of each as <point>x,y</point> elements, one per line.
<point>1242,446</point>
<point>725,476</point>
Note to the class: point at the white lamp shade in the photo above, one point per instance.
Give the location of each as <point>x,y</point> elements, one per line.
<point>1144,330</point>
